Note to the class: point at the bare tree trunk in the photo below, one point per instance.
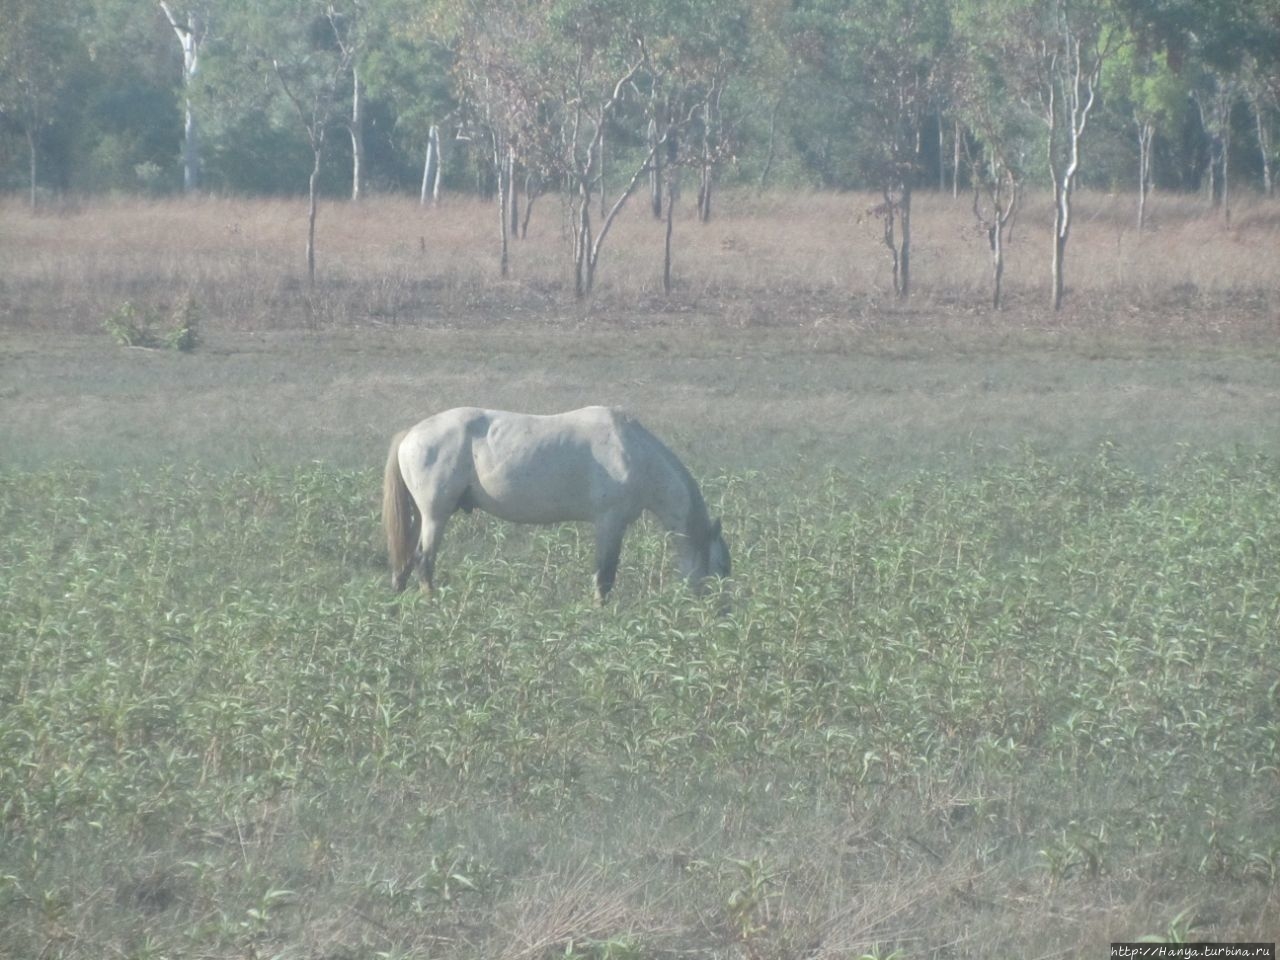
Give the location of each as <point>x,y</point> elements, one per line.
<point>582,241</point>
<point>904,258</point>
<point>997,261</point>
<point>501,170</point>
<point>604,189</point>
<point>439,171</point>
<point>890,236</point>
<point>532,187</point>
<point>655,172</point>
<point>608,219</point>
<point>1003,191</point>
<point>711,114</point>
<point>426,169</point>
<point>33,161</point>
<point>586,251</point>
<point>189,37</point>
<point>356,128</point>
<point>956,144</point>
<point>942,164</point>
<point>431,168</point>
<point>672,188</point>
<point>769,153</point>
<point>1061,230</point>
<point>513,198</point>
<point>899,250</point>
<point>1264,143</point>
<point>312,199</point>
<point>1146,133</point>
<point>704,187</point>
<point>1226,171</point>
<point>1215,117</point>
<point>1067,110</point>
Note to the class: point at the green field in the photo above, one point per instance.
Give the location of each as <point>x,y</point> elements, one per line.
<point>998,678</point>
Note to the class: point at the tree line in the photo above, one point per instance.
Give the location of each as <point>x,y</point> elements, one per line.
<point>596,101</point>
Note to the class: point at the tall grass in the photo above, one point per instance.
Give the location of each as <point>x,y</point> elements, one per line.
<point>780,258</point>
<point>1042,697</point>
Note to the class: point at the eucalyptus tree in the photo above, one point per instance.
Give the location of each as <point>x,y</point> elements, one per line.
<point>545,80</point>
<point>348,23</point>
<point>1220,49</point>
<point>987,102</point>
<point>1262,90</point>
<point>189,26</point>
<point>298,47</point>
<point>39,52</point>
<point>503,68</point>
<point>1072,40</point>
<point>1049,55</point>
<point>1140,79</point>
<point>407,61</point>
<point>884,57</point>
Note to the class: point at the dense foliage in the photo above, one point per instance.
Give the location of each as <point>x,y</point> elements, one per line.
<point>94,94</point>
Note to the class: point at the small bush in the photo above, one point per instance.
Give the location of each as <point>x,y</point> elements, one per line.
<point>155,328</point>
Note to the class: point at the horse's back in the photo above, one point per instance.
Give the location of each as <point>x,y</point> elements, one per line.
<point>540,469</point>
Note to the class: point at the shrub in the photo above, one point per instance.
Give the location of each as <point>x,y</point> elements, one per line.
<point>155,328</point>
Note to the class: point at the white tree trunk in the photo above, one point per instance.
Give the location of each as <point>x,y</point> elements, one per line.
<point>655,172</point>
<point>431,168</point>
<point>190,35</point>
<point>1002,191</point>
<point>501,170</point>
<point>1146,133</point>
<point>1264,144</point>
<point>956,144</point>
<point>34,164</point>
<point>673,186</point>
<point>313,198</point>
<point>1071,92</point>
<point>357,133</point>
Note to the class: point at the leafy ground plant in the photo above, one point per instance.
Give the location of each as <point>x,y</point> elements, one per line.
<point>156,328</point>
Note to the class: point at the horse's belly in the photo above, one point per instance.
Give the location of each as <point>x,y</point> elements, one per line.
<point>531,492</point>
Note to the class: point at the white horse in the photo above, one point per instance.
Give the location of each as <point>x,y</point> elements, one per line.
<point>596,464</point>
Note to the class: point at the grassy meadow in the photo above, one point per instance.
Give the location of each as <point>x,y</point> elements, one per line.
<point>999,676</point>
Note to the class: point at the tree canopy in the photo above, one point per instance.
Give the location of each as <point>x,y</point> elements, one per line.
<point>95,94</point>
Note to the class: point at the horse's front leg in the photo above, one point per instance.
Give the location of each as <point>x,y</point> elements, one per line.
<point>609,531</point>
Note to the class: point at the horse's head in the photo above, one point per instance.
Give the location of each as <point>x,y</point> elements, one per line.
<point>705,556</point>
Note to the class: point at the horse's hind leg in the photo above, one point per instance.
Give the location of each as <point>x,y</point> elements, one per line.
<point>428,546</point>
<point>609,531</point>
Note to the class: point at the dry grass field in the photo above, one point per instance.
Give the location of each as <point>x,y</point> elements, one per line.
<point>789,260</point>
<point>781,320</point>
<point>999,677</point>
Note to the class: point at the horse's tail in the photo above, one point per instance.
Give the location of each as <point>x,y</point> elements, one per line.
<point>399,516</point>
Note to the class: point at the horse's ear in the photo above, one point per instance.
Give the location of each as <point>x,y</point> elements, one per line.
<point>715,528</point>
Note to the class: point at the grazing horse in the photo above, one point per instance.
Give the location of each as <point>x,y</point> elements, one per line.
<point>596,464</point>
